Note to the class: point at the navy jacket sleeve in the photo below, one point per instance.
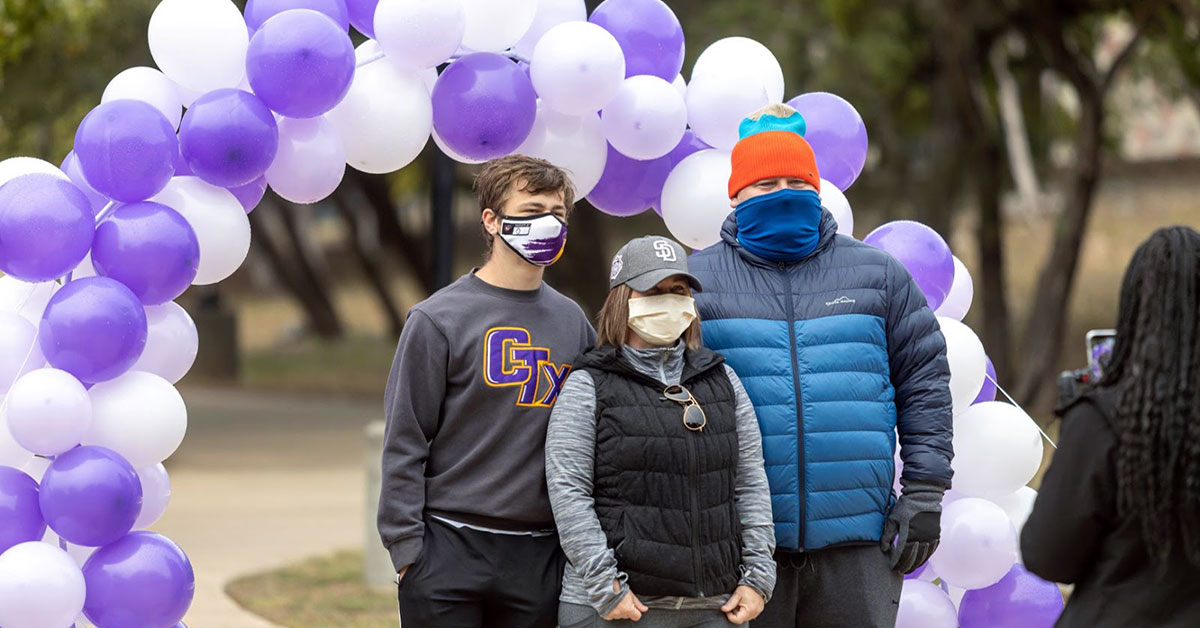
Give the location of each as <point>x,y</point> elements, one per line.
<point>921,377</point>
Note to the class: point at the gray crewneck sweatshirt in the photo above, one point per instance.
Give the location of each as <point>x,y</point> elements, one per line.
<point>476,372</point>
<point>570,456</point>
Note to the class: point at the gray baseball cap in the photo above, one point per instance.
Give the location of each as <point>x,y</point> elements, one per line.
<point>645,261</point>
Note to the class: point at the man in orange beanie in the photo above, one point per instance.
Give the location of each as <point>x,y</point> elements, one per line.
<point>839,353</point>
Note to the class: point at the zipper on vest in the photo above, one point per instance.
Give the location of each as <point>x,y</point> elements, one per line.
<point>791,323</point>
<point>694,476</point>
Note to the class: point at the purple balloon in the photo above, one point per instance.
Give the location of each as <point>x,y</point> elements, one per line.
<point>649,33</point>
<point>46,227</point>
<point>91,496</point>
<point>251,194</point>
<point>259,11</point>
<point>126,149</point>
<point>141,581</point>
<point>629,186</point>
<point>20,514</point>
<point>837,135</point>
<point>916,575</point>
<point>70,166</point>
<point>988,392</point>
<point>483,106</point>
<point>148,247</point>
<point>300,63</point>
<point>93,328</point>
<point>362,15</point>
<point>1019,600</point>
<point>229,137</point>
<point>922,251</point>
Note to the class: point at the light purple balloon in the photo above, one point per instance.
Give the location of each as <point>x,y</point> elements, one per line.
<point>483,106</point>
<point>126,150</point>
<point>988,392</point>
<point>629,186</point>
<point>924,605</point>
<point>46,227</point>
<point>362,15</point>
<point>251,194</point>
<point>142,580</point>
<point>300,63</point>
<point>70,166</point>
<point>93,328</point>
<point>20,514</point>
<point>259,11</point>
<point>228,137</point>
<point>649,33</point>
<point>837,135</point>
<point>91,496</point>
<point>922,251</point>
<point>1020,600</point>
<point>148,247</point>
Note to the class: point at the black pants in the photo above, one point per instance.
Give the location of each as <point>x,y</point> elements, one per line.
<point>841,587</point>
<point>470,579</point>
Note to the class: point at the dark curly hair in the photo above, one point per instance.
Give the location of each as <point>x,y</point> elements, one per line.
<point>1155,373</point>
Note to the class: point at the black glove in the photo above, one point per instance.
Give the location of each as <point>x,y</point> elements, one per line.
<point>914,527</point>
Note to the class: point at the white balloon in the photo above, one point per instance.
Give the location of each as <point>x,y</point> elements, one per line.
<point>150,86</point>
<point>495,25</point>
<point>962,292</point>
<point>27,299</point>
<point>968,362</point>
<point>156,494</point>
<point>420,34</point>
<point>48,411</point>
<point>385,119</point>
<point>36,469</point>
<point>835,201</point>
<point>200,44</point>
<point>997,450</point>
<point>188,96</point>
<point>11,453</point>
<point>646,119</point>
<point>577,68</point>
<point>171,344</point>
<point>742,56</point>
<point>925,605</point>
<point>717,104</point>
<point>1018,506</point>
<point>978,546</point>
<point>462,159</point>
<point>695,198</point>
<point>219,221</point>
<point>20,352</point>
<point>680,85</point>
<point>40,587</point>
<point>14,167</point>
<point>310,163</point>
<point>573,143</point>
<point>138,415</point>
<point>550,13</point>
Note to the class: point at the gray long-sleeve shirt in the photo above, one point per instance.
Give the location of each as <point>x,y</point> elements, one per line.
<point>476,372</point>
<point>570,456</point>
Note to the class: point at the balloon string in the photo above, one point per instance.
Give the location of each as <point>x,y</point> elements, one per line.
<point>103,213</point>
<point>1014,402</point>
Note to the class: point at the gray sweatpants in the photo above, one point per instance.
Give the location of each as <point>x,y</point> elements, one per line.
<point>838,587</point>
<point>580,616</point>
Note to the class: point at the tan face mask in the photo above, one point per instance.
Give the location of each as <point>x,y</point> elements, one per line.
<point>661,319</point>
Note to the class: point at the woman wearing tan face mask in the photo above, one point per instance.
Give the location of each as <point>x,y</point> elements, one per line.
<point>654,464</point>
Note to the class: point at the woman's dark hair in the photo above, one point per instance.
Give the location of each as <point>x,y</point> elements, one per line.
<point>1155,371</point>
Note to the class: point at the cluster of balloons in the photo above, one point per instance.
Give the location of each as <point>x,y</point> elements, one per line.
<point>980,581</point>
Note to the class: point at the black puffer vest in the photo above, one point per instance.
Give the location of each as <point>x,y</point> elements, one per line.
<point>664,494</point>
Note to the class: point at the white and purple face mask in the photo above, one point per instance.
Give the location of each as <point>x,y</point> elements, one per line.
<point>539,240</point>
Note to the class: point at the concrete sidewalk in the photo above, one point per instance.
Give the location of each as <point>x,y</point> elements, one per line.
<point>261,481</point>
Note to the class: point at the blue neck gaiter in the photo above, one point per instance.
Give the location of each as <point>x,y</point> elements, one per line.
<point>782,226</point>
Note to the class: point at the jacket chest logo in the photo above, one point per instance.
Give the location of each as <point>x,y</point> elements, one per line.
<point>843,300</point>
<point>511,359</point>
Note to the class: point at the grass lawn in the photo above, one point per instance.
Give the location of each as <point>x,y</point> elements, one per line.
<point>355,366</point>
<point>324,592</point>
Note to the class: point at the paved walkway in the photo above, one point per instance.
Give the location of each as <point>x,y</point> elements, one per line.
<point>262,481</point>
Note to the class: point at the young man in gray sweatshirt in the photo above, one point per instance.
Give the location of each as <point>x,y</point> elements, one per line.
<point>464,509</point>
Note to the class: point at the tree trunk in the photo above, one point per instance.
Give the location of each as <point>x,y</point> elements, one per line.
<point>368,258</point>
<point>411,251</point>
<point>321,317</point>
<point>582,273</point>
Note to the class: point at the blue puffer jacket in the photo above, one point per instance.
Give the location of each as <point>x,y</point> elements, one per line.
<point>838,352</point>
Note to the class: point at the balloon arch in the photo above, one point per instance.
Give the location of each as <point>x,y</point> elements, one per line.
<point>153,200</point>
